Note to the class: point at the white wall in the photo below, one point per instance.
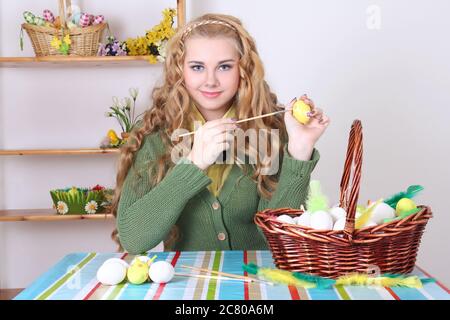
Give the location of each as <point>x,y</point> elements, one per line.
<point>395,79</point>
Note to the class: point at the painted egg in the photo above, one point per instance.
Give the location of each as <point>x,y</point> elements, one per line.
<point>98,19</point>
<point>300,111</point>
<point>39,21</point>
<point>161,272</point>
<point>111,274</point>
<point>138,272</point>
<point>76,18</point>
<point>321,220</point>
<point>29,17</point>
<point>48,16</point>
<point>404,205</point>
<point>84,20</point>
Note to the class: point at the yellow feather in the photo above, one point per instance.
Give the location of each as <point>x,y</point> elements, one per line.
<point>366,215</point>
<point>359,279</point>
<point>284,277</point>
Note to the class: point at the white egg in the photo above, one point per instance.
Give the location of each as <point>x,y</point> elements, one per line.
<point>339,224</point>
<point>117,260</point>
<point>286,219</point>
<point>305,219</point>
<point>111,273</point>
<point>382,211</point>
<point>321,220</point>
<point>161,272</point>
<point>337,213</point>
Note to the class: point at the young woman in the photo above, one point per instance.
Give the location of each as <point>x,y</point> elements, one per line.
<point>213,77</point>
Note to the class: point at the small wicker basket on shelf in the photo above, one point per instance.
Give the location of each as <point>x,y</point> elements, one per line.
<point>84,41</point>
<point>390,247</point>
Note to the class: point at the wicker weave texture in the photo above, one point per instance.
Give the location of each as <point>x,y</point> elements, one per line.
<point>387,248</point>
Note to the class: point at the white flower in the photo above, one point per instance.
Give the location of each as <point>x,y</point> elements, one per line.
<point>61,207</point>
<point>134,92</point>
<point>162,48</point>
<point>91,207</point>
<point>115,102</point>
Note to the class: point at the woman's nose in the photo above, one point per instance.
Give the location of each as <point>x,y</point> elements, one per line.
<point>211,80</point>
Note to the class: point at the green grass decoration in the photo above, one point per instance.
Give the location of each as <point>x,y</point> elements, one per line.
<point>77,198</point>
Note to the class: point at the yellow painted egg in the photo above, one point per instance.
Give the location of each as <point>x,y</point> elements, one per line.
<point>404,205</point>
<point>300,111</point>
<point>138,272</point>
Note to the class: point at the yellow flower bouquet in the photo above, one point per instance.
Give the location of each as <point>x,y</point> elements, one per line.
<point>154,42</point>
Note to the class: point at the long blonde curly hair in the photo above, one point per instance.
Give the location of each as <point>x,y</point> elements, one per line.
<point>171,102</point>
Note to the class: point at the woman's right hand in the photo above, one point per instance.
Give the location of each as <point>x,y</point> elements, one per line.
<point>210,140</point>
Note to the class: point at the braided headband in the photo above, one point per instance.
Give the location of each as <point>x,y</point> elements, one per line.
<point>202,23</point>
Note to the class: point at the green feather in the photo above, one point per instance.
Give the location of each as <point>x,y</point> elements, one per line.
<point>321,282</point>
<point>411,192</point>
<point>250,268</point>
<point>316,201</point>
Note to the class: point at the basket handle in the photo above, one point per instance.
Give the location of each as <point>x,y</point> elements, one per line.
<point>353,160</point>
<point>63,6</point>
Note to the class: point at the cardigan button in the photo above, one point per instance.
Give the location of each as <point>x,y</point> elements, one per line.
<point>216,205</point>
<point>221,236</point>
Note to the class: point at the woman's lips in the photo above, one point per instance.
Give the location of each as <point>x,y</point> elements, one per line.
<point>210,94</point>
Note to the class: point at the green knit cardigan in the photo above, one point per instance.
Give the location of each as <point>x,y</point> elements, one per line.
<point>146,214</point>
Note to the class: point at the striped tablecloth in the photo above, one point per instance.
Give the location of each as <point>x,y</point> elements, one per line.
<point>74,277</point>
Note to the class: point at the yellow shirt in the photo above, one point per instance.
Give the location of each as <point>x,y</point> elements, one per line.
<point>217,172</point>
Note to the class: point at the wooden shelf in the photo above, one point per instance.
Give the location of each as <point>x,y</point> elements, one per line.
<point>70,61</point>
<point>47,215</point>
<point>20,152</point>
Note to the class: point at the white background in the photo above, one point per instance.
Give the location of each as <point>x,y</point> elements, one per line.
<point>384,62</point>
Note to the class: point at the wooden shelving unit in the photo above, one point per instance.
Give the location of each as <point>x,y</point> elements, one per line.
<point>78,62</point>
<point>70,61</point>
<point>54,152</point>
<point>47,215</point>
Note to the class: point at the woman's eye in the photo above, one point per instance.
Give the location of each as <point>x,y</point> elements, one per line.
<point>225,67</point>
<point>197,67</point>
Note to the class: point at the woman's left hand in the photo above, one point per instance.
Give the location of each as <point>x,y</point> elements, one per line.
<point>303,137</point>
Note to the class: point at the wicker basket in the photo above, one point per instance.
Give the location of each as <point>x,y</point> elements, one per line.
<point>84,40</point>
<point>387,248</point>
